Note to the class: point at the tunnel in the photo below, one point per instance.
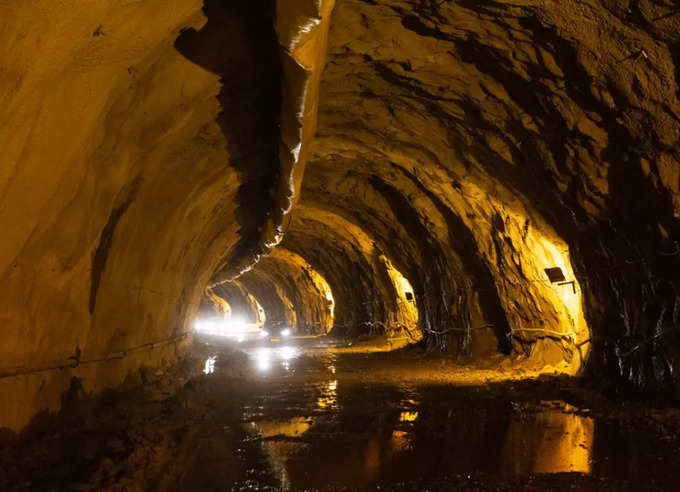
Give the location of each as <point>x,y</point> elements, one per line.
<point>339,245</point>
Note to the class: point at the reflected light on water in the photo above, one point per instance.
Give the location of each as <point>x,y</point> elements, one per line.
<point>291,428</point>
<point>263,360</point>
<point>288,353</point>
<point>408,416</point>
<point>210,365</point>
<point>279,452</point>
<point>556,440</point>
<point>372,460</point>
<point>329,396</point>
<point>531,438</point>
<point>399,441</point>
<point>264,357</point>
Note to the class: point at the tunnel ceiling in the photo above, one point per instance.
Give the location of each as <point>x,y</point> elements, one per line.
<point>477,144</point>
<point>153,148</point>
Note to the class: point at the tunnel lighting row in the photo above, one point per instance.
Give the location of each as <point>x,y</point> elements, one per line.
<point>234,327</point>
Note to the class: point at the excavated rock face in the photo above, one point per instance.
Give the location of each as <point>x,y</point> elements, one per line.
<point>118,195</point>
<point>477,144</point>
<point>462,148</point>
<point>141,153</point>
<point>503,138</point>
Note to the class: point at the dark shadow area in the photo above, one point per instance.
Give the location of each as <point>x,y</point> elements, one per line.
<point>239,44</point>
<point>463,241</point>
<point>101,254</point>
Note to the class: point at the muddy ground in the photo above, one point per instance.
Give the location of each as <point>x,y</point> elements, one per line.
<point>304,415</point>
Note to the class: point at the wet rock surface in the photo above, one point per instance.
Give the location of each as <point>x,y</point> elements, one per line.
<point>153,148</point>
<point>309,416</point>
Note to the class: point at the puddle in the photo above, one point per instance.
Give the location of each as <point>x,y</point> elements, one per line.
<point>266,359</point>
<point>548,439</point>
<point>323,421</point>
<point>329,396</point>
<point>294,427</point>
<point>362,436</point>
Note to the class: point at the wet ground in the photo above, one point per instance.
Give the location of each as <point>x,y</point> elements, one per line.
<point>302,415</point>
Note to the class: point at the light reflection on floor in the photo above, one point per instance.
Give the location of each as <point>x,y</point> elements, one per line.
<point>564,443</point>
<point>265,358</point>
<point>329,396</point>
<point>294,427</point>
<point>319,422</point>
<point>408,416</point>
<point>278,451</point>
<point>548,437</point>
<point>209,365</point>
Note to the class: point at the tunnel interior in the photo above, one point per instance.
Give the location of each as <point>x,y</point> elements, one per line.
<point>491,185</point>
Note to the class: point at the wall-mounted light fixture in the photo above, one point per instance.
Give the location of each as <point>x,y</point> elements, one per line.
<point>556,276</point>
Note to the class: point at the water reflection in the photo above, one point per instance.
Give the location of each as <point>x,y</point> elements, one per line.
<point>408,416</point>
<point>294,427</point>
<point>330,363</point>
<point>280,451</point>
<point>329,396</point>
<point>550,438</point>
<point>372,459</point>
<point>265,357</point>
<point>400,441</point>
<point>209,365</point>
<point>355,447</point>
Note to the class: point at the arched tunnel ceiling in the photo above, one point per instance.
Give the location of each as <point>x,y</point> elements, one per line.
<point>153,148</point>
<point>479,143</point>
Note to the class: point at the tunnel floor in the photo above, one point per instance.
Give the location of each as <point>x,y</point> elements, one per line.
<point>305,415</point>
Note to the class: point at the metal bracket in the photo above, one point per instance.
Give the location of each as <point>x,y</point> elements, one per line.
<point>572,283</point>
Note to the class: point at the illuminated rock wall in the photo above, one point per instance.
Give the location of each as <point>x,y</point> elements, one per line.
<point>477,144</point>
<point>503,138</point>
<point>117,189</point>
<point>141,152</point>
<point>153,148</point>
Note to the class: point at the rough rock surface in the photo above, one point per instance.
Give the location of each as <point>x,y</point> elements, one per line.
<point>479,143</point>
<point>153,148</point>
<point>141,146</point>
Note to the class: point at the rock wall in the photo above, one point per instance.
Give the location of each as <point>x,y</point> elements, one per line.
<point>114,174</point>
<point>141,141</point>
<point>510,137</point>
<point>477,144</point>
<point>153,148</point>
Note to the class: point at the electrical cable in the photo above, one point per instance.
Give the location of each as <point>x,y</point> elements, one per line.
<point>74,362</point>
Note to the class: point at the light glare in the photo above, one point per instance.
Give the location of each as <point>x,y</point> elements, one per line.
<point>288,353</point>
